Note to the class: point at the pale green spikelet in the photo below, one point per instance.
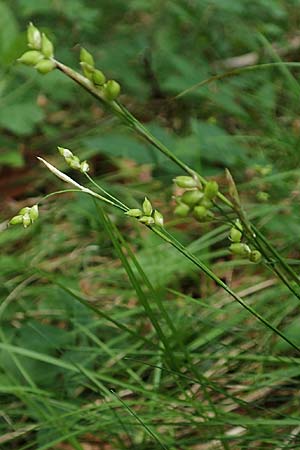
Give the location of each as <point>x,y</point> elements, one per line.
<point>186,182</point>
<point>211,190</point>
<point>16,220</point>
<point>47,47</point>
<point>111,90</point>
<point>240,249</point>
<point>255,256</point>
<point>191,198</point>
<point>182,210</point>
<point>45,66</point>
<point>134,212</point>
<point>84,167</point>
<point>158,218</point>
<point>147,207</point>
<point>86,57</point>
<point>235,235</point>
<point>147,220</point>
<point>98,78</point>
<point>30,58</point>
<point>34,213</point>
<point>87,70</point>
<point>34,37</point>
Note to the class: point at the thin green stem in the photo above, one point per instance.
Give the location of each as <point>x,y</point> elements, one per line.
<point>63,191</point>
<point>62,176</point>
<point>236,72</point>
<point>257,239</point>
<point>105,192</point>
<point>125,116</point>
<point>219,282</point>
<point>119,110</point>
<point>274,252</point>
<point>141,422</point>
<point>169,238</point>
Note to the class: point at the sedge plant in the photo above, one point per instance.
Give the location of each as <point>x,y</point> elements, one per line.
<point>201,197</point>
<point>183,374</point>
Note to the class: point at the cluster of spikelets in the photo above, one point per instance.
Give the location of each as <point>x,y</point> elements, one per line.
<point>240,248</point>
<point>147,214</point>
<point>195,200</point>
<point>73,161</point>
<point>198,202</point>
<point>110,89</point>
<point>26,216</point>
<point>41,54</point>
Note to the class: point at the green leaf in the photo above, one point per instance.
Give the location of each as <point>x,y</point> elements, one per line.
<point>8,30</point>
<point>21,118</point>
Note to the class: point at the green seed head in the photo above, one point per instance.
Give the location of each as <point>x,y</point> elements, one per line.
<point>30,58</point>
<point>84,167</point>
<point>235,235</point>
<point>147,207</point>
<point>47,47</point>
<point>87,70</point>
<point>200,212</point>
<point>65,153</point>
<point>111,90</point>
<point>255,256</point>
<point>211,190</point>
<point>34,37</point>
<point>45,66</point>
<point>34,213</point>
<point>24,210</point>
<point>158,218</point>
<point>86,57</point>
<point>206,202</point>
<point>240,249</point>
<point>192,198</point>
<point>16,220</point>
<point>26,220</point>
<point>146,220</point>
<point>74,163</point>
<point>134,212</point>
<point>185,182</point>
<point>98,78</point>
<point>182,210</point>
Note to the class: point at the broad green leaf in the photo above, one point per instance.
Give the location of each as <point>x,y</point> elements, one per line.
<point>21,118</point>
<point>8,29</point>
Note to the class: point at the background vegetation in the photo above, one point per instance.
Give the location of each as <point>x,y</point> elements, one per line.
<point>107,344</point>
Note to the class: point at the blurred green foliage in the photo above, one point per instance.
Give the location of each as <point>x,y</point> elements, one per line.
<point>155,49</point>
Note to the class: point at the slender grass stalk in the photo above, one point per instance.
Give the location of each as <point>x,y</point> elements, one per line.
<point>126,117</point>
<point>167,237</point>
<point>141,422</point>
<point>271,255</point>
<point>168,342</point>
<point>116,200</point>
<point>277,256</point>
<point>163,234</point>
<point>236,72</point>
<point>45,408</point>
<point>79,187</point>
